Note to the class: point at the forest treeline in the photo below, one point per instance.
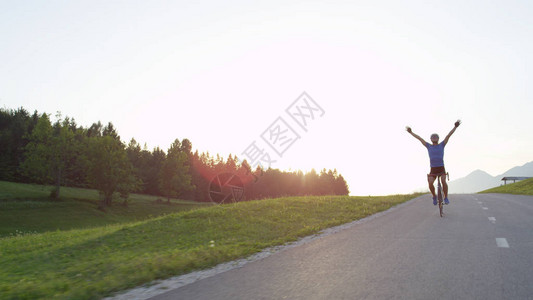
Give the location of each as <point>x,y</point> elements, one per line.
<point>61,153</point>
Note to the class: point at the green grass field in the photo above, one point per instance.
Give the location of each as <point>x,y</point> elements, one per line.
<point>523,187</point>
<point>95,262</point>
<point>27,208</point>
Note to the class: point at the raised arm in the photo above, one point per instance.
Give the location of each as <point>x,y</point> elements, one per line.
<point>451,132</point>
<point>415,135</point>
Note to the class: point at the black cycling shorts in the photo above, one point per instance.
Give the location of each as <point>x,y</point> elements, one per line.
<point>436,170</point>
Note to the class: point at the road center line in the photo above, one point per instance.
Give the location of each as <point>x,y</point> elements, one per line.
<point>492,220</point>
<point>479,202</point>
<point>502,243</point>
<point>485,208</point>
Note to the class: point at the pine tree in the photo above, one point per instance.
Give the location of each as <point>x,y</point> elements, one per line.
<point>174,177</point>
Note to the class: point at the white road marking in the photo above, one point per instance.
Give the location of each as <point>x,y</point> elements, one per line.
<point>502,243</point>
<point>492,220</point>
<point>479,202</point>
<point>485,208</point>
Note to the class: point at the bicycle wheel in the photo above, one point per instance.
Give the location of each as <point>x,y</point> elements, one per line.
<point>439,196</point>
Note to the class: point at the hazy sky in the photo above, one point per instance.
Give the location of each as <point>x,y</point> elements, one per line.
<point>221,72</point>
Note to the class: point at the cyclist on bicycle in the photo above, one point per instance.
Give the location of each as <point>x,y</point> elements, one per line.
<point>436,159</point>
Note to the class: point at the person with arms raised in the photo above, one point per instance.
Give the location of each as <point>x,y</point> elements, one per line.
<point>436,160</point>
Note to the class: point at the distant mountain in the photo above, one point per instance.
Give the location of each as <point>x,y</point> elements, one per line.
<point>525,170</point>
<point>474,182</point>
<point>480,180</point>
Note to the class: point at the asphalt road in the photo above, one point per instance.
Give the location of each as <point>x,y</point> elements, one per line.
<point>481,249</point>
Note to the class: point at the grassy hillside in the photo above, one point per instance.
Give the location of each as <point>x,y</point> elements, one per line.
<point>92,263</point>
<point>27,208</point>
<point>524,187</point>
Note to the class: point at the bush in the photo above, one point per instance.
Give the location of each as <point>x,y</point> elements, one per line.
<point>54,193</point>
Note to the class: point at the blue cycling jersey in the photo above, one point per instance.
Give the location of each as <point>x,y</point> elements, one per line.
<point>436,154</point>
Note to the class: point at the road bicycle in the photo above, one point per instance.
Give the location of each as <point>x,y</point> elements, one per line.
<point>439,190</point>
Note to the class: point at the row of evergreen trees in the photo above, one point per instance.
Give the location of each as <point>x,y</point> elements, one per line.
<point>35,150</point>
